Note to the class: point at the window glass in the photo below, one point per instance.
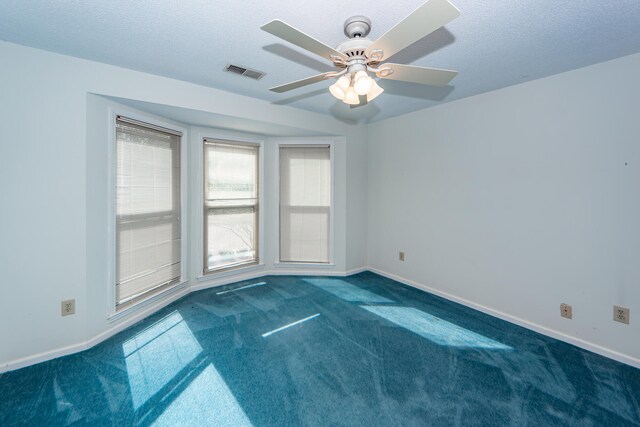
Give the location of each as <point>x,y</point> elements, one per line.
<point>231,204</point>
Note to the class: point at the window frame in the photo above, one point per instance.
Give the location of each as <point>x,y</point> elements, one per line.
<point>231,139</point>
<point>307,142</point>
<point>163,292</point>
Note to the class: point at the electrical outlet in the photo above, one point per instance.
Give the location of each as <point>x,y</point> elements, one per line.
<point>401,256</point>
<point>621,314</point>
<point>68,307</point>
<point>566,311</point>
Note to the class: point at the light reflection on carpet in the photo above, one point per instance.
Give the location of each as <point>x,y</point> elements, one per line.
<point>435,329</point>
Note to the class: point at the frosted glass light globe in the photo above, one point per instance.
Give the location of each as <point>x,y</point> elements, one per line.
<point>374,92</point>
<point>339,88</point>
<point>363,83</point>
<point>351,97</point>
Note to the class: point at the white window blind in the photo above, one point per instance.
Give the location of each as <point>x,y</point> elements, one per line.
<point>305,203</point>
<point>230,204</point>
<point>147,209</point>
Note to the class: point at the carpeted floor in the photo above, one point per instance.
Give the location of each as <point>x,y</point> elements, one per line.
<point>362,350</point>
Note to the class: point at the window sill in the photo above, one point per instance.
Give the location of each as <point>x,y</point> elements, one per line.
<point>152,299</point>
<point>305,265</point>
<point>230,272</point>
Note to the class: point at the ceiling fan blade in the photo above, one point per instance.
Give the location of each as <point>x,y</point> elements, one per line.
<point>421,75</point>
<point>303,82</point>
<point>363,102</point>
<point>423,21</point>
<point>298,38</point>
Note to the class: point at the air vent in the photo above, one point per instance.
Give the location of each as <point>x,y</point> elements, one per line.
<point>247,72</point>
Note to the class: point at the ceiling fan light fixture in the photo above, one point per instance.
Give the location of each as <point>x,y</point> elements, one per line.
<point>339,88</point>
<point>363,83</point>
<point>357,57</point>
<point>351,97</point>
<point>374,92</point>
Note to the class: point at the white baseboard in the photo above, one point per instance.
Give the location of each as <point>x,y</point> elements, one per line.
<point>356,271</point>
<point>85,345</point>
<point>304,272</point>
<point>41,357</point>
<point>215,282</point>
<point>219,281</point>
<point>138,315</point>
<point>120,326</point>
<point>578,342</point>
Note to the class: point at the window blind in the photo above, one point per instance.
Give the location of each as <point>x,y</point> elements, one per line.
<point>305,203</point>
<point>231,204</point>
<point>147,210</point>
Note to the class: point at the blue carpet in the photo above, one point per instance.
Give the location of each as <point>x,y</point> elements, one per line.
<point>362,350</point>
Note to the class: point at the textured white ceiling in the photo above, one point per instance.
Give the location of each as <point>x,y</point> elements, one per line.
<point>493,44</point>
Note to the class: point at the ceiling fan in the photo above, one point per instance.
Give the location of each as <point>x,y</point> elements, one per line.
<point>357,57</point>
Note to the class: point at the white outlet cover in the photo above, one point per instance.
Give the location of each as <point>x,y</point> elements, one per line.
<point>566,311</point>
<point>68,307</point>
<point>621,314</point>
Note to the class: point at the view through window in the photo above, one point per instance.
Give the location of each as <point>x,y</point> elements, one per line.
<point>230,204</point>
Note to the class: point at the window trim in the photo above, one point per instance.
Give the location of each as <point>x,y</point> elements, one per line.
<point>234,139</point>
<point>306,142</point>
<point>163,291</point>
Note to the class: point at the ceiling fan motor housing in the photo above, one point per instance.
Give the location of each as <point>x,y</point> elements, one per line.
<point>357,26</point>
<point>354,48</point>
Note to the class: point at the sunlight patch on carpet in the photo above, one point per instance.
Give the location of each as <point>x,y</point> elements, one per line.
<point>157,354</point>
<point>435,329</point>
<point>282,328</point>
<point>253,285</point>
<point>348,292</point>
<point>206,401</point>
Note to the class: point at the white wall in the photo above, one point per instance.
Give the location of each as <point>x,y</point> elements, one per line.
<point>53,186</point>
<point>356,203</point>
<point>520,199</point>
<point>515,200</point>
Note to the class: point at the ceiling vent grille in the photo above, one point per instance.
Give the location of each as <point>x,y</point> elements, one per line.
<point>247,72</point>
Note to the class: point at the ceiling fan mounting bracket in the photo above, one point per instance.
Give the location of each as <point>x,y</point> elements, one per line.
<point>338,61</point>
<point>376,55</point>
<point>381,72</point>
<point>357,26</point>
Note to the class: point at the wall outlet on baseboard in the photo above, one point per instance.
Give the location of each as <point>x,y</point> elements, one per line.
<point>621,314</point>
<point>401,256</point>
<point>68,307</point>
<point>566,311</point>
